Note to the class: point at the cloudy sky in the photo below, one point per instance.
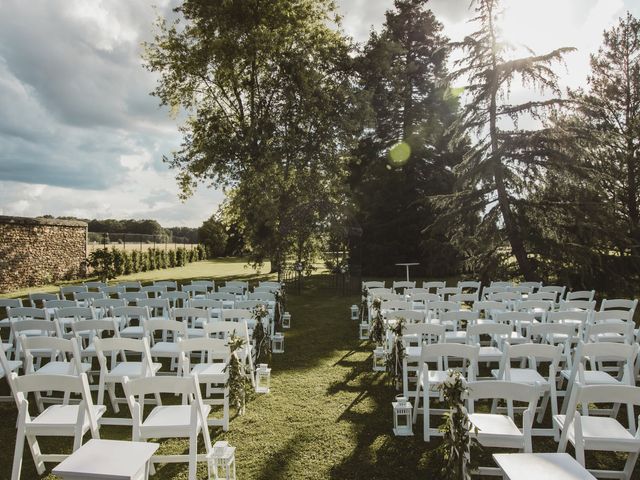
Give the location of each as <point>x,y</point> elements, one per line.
<point>80,135</point>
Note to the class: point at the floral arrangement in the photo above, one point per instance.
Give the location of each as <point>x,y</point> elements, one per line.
<point>396,356</point>
<point>459,448</point>
<point>261,341</point>
<point>376,333</point>
<point>364,306</point>
<point>237,382</point>
<point>280,306</point>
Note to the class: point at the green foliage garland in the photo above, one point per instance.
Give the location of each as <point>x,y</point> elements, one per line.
<point>237,383</point>
<point>397,354</point>
<point>262,341</point>
<point>459,449</point>
<point>376,333</point>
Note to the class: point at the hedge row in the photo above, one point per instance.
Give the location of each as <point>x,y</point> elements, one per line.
<point>110,263</point>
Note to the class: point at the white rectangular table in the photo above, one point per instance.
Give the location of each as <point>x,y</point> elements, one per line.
<point>535,466</point>
<point>108,460</point>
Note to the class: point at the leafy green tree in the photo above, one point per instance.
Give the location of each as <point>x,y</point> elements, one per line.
<point>266,85</point>
<point>402,156</point>
<point>213,235</point>
<point>498,172</point>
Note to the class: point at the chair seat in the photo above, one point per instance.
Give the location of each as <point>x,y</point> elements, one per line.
<point>165,349</point>
<point>593,377</point>
<point>456,337</point>
<point>132,332</point>
<point>129,369</point>
<point>608,337</point>
<point>56,416</point>
<point>195,332</point>
<point>598,430</point>
<point>413,353</point>
<point>494,424</point>
<point>528,376</point>
<point>489,354</point>
<point>61,368</point>
<point>170,421</point>
<point>211,372</point>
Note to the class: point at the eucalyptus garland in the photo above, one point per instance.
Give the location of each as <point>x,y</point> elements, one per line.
<point>377,330</point>
<point>364,306</point>
<point>280,306</point>
<point>261,340</point>
<point>237,382</point>
<point>459,448</point>
<point>396,356</point>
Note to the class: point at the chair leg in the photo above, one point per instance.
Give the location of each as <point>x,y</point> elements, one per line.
<point>17,453</point>
<point>630,465</point>
<point>111,389</point>
<point>543,407</point>
<point>579,448</point>
<point>225,411</point>
<point>36,453</point>
<point>425,415</point>
<point>193,453</point>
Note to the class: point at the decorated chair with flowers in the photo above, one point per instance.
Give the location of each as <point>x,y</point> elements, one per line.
<point>441,356</point>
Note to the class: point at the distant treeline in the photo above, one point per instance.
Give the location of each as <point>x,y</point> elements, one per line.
<point>146,227</point>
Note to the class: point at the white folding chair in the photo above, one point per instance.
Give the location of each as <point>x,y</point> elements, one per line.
<point>166,346</point>
<point>586,295</point>
<point>428,380</point>
<point>169,285</point>
<point>589,432</point>
<point>114,373</point>
<point>498,430</point>
<point>154,291</point>
<point>133,297</point>
<point>56,421</point>
<point>211,370</point>
<point>194,318</point>
<point>131,320</point>
<point>188,420</point>
<point>84,299</point>
<point>37,299</point>
<point>415,335</point>
<point>95,285</point>
<point>69,315</point>
<point>491,351</point>
<point>103,306</point>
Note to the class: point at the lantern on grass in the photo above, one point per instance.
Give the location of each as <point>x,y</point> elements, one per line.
<point>286,320</point>
<point>364,330</point>
<point>222,461</point>
<point>354,312</point>
<point>263,378</point>
<point>277,343</point>
<point>379,360</point>
<point>402,411</point>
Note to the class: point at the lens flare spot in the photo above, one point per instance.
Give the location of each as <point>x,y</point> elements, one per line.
<point>399,154</point>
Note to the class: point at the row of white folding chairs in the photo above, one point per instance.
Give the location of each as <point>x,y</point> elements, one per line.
<point>188,420</point>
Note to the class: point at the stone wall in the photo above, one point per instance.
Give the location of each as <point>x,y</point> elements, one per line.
<point>37,251</point>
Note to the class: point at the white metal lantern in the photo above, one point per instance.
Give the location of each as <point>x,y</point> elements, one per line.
<point>354,312</point>
<point>402,412</point>
<point>222,461</point>
<point>277,343</point>
<point>379,360</point>
<point>364,330</point>
<point>286,320</point>
<point>263,378</point>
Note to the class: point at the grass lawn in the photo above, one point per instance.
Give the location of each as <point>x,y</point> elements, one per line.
<point>327,416</point>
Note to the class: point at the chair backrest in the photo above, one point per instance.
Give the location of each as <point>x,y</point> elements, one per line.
<point>235,290</point>
<point>486,308</point>
<point>236,314</point>
<point>534,306</point>
<point>532,285</point>
<point>532,354</point>
<point>154,291</point>
<point>72,289</point>
<point>619,304</point>
<point>424,297</point>
<point>224,330</point>
<point>131,313</point>
<point>133,296</point>
<point>395,305</point>
<point>610,331</point>
<point>205,303</point>
<point>177,299</point>
<point>515,318</point>
<point>549,296</point>
<point>521,289</point>
<point>441,306</point>
<point>568,316</point>
<point>489,290</point>
<point>112,290</point>
<point>612,316</point>
<point>455,317</point>
<point>215,349</point>
<point>509,391</point>
<point>555,333</point>
<point>189,315</point>
<point>130,285</point>
<point>226,296</point>
<point>94,328</point>
<point>95,285</point>
<point>499,331</point>
<point>403,285</point>
<point>446,292</point>
<point>250,304</point>
<point>262,296</point>
<point>158,307</point>
<point>500,284</point>
<point>419,333</point>
<point>167,284</point>
<point>76,313</point>
<point>36,299</point>
<point>88,297</point>
<point>411,316</point>
<point>607,352</point>
<point>588,305</point>
<point>26,313</point>
<point>580,295</point>
<point>45,327</point>
<point>505,296</point>
<point>119,345</point>
<point>6,303</point>
<point>178,329</point>
<point>433,286</point>
<point>54,304</point>
<point>557,289</point>
<point>210,284</point>
<point>594,394</point>
<point>57,346</point>
<point>442,352</point>
<point>102,306</point>
<point>237,283</point>
<point>193,290</point>
<point>469,287</point>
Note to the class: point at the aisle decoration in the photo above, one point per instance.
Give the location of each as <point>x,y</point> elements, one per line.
<point>396,356</point>
<point>377,331</point>
<point>237,382</point>
<point>459,448</point>
<point>260,338</point>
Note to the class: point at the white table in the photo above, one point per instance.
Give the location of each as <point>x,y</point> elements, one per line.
<point>108,460</point>
<point>535,466</point>
<point>407,265</point>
